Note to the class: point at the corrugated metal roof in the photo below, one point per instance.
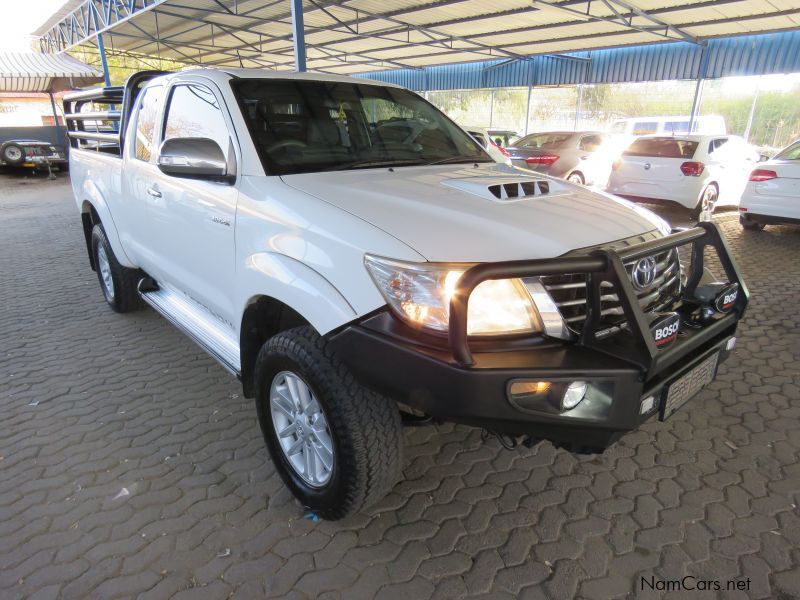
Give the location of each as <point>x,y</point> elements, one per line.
<point>351,36</point>
<point>34,72</point>
<point>746,55</point>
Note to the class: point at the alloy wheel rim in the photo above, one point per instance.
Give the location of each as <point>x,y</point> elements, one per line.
<point>709,199</point>
<point>301,429</point>
<point>105,272</point>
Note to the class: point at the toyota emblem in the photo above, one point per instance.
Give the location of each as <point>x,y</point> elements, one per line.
<point>647,166</point>
<point>644,273</point>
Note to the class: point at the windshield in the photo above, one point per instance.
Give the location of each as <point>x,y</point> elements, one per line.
<point>662,147</point>
<point>545,141</point>
<point>304,126</point>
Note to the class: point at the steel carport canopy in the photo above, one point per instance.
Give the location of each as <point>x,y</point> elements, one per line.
<point>36,72</point>
<point>356,36</point>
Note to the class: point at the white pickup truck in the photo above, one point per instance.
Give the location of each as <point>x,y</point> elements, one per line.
<point>353,279</point>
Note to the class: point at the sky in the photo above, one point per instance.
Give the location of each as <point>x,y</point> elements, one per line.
<point>22,18</point>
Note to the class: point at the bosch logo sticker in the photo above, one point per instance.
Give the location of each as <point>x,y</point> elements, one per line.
<point>665,329</point>
<point>726,299</point>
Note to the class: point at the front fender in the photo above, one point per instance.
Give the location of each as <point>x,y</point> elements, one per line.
<point>93,197</point>
<point>298,286</point>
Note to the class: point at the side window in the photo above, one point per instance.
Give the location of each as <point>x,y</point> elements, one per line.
<point>590,143</point>
<point>193,112</point>
<point>714,147</point>
<point>149,103</point>
<point>478,138</point>
<point>645,127</point>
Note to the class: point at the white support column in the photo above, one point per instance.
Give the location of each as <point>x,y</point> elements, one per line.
<point>528,109</point>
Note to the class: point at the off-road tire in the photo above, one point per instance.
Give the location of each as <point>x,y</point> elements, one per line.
<point>365,426</point>
<point>125,296</point>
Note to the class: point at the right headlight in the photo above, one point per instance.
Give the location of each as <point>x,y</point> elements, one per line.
<point>420,293</point>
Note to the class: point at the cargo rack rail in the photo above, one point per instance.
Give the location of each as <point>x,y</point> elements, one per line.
<point>96,118</point>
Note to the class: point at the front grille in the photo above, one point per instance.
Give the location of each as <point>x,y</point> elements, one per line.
<point>569,292</point>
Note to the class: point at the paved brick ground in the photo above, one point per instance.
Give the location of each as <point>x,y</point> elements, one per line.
<point>130,465</point>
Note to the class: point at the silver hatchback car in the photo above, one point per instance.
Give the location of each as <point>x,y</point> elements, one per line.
<point>583,157</point>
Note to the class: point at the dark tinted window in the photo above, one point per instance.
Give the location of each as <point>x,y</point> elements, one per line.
<point>546,141</point>
<point>193,111</point>
<point>663,147</point>
<point>304,126</point>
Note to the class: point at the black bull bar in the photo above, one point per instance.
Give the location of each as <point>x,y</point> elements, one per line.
<point>605,264</point>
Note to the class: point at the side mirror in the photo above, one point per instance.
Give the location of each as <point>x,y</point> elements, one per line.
<point>194,158</point>
<point>763,157</point>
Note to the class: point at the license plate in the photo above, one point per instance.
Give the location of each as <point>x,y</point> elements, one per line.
<point>679,392</point>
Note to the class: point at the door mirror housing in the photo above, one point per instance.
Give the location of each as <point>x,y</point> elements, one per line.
<point>195,158</point>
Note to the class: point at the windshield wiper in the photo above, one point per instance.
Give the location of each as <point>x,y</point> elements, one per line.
<point>455,159</point>
<point>364,164</point>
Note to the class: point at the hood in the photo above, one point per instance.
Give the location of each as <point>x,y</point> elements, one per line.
<point>484,213</point>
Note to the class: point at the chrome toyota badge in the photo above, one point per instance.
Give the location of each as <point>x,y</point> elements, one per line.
<point>644,272</point>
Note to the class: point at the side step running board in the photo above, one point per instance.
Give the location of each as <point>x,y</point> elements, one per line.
<point>195,322</point>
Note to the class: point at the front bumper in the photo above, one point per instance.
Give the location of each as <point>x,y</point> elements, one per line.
<point>468,381</point>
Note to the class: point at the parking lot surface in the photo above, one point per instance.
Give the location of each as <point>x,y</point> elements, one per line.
<point>131,465</point>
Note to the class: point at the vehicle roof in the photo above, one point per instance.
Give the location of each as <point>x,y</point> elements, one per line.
<point>580,132</point>
<point>688,137</point>
<point>226,74</point>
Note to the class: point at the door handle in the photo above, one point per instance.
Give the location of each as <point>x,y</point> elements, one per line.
<point>152,191</point>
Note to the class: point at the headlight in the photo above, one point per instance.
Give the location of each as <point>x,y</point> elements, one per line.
<point>420,293</point>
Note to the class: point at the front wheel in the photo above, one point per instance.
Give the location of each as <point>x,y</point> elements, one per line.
<point>336,444</point>
<point>707,202</point>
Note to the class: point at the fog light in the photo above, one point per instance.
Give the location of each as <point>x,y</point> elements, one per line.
<point>573,395</point>
<point>519,388</point>
<point>731,344</point>
<point>647,405</point>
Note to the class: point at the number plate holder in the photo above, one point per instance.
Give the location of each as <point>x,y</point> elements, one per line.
<point>685,387</point>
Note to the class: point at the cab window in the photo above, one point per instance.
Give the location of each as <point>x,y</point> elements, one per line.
<point>147,116</point>
<point>194,112</point>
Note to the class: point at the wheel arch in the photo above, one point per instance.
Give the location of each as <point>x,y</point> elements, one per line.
<point>95,210</point>
<point>264,317</point>
<point>282,293</point>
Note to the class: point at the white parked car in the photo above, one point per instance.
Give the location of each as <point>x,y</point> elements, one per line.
<point>481,135</point>
<point>349,252</point>
<point>773,193</point>
<point>699,172</point>
<point>703,124</point>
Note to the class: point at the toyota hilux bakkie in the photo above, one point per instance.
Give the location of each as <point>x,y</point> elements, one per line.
<point>358,260</point>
